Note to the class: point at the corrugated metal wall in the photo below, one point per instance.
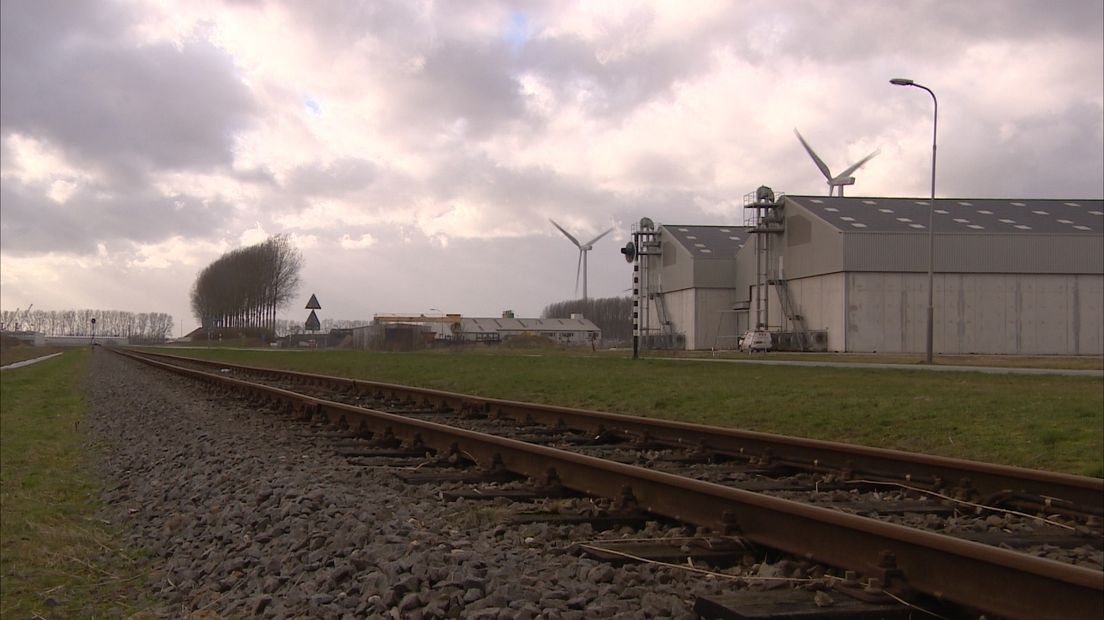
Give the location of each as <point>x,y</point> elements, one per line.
<point>811,247</point>
<point>1029,314</point>
<point>714,321</point>
<point>964,253</point>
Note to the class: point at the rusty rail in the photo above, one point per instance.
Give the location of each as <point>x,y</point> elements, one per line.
<point>850,461</point>
<point>991,579</point>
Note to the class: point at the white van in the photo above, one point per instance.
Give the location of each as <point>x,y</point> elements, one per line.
<point>756,340</point>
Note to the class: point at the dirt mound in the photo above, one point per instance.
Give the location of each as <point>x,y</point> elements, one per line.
<point>530,342</point>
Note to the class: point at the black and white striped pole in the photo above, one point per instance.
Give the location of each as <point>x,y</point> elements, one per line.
<point>632,255</point>
<point>636,309</point>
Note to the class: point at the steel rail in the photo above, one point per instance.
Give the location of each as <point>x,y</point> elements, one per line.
<point>990,579</point>
<point>850,461</point>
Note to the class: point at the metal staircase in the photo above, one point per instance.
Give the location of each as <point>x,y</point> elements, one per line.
<point>791,314</point>
<point>661,314</point>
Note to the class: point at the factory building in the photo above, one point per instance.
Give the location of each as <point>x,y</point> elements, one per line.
<point>689,275</point>
<point>573,331</point>
<point>850,274</point>
<point>409,332</point>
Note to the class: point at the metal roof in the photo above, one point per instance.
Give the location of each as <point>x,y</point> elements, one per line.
<point>710,241</point>
<point>491,325</point>
<point>958,215</point>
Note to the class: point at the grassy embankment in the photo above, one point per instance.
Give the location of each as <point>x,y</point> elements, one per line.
<point>58,559</point>
<point>11,355</point>
<point>1042,422</point>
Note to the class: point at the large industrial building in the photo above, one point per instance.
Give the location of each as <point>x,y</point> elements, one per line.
<point>851,274</point>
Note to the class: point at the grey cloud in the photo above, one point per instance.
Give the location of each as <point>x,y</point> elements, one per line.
<point>258,175</point>
<point>340,25</point>
<point>465,81</point>
<point>857,31</point>
<point>35,224</point>
<point>655,169</point>
<point>69,77</point>
<point>341,177</point>
<point>615,87</point>
<point>460,80</point>
<point>1067,144</point>
<point>529,192</point>
<point>476,81</point>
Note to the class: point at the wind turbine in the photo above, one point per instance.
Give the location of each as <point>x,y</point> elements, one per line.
<point>583,249</point>
<point>843,178</point>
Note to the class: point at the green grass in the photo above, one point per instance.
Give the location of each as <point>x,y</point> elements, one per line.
<point>1042,422</point>
<point>57,558</point>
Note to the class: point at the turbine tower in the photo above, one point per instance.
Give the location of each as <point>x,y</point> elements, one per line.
<point>583,249</point>
<point>843,178</point>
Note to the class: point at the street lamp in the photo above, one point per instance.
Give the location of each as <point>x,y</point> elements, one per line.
<point>931,211</point>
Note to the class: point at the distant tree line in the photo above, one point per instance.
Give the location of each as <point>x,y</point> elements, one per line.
<point>245,287</point>
<point>613,315</point>
<point>152,326</point>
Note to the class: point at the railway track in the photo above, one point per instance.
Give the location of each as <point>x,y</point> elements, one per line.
<point>888,556</point>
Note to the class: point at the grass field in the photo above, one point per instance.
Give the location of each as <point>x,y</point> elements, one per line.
<point>1042,422</point>
<point>58,559</point>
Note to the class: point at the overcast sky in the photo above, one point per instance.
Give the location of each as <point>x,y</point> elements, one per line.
<point>414,151</point>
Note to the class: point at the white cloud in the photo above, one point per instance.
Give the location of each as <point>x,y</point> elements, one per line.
<point>175,251</point>
<point>252,236</point>
<point>304,242</point>
<point>359,243</point>
<point>32,160</point>
<point>328,215</point>
<point>61,190</point>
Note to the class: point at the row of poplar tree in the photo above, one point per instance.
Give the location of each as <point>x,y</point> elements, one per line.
<point>245,287</point>
<point>151,326</point>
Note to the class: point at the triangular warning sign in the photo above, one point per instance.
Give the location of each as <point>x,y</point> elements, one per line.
<point>312,323</point>
<point>313,303</point>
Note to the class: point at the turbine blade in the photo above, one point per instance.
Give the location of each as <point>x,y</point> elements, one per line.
<point>595,240</point>
<point>855,166</point>
<point>567,234</point>
<point>578,270</point>
<point>816,159</point>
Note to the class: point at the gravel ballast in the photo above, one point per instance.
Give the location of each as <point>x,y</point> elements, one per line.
<point>246,514</point>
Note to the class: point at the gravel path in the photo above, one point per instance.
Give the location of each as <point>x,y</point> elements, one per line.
<point>246,515</point>
<point>33,360</point>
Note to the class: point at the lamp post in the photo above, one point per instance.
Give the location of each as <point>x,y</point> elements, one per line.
<point>931,214</point>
